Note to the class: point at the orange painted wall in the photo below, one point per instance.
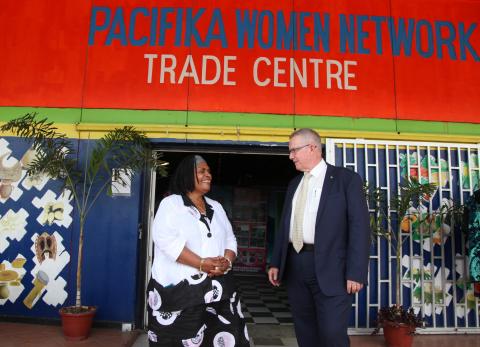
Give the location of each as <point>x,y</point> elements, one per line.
<point>48,61</point>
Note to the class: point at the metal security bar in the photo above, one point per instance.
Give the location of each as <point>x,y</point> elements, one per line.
<point>434,263</point>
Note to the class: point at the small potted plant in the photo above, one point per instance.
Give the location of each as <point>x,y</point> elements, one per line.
<point>399,323</point>
<point>117,156</point>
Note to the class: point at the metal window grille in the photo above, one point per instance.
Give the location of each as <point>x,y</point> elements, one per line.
<point>435,277</point>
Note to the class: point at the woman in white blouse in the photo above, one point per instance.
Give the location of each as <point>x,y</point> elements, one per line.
<point>192,295</point>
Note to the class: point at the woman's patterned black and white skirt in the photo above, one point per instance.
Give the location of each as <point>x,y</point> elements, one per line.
<point>199,311</point>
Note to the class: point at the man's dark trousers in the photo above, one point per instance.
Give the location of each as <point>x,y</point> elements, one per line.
<point>310,306</point>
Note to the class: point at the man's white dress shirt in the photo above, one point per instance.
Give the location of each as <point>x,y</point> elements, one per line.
<point>315,186</point>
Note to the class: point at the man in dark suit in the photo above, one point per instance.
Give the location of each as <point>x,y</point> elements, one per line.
<point>321,250</point>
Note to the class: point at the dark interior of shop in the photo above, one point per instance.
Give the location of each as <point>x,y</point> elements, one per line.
<point>243,170</point>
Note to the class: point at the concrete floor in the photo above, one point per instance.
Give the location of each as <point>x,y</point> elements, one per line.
<point>273,338</point>
<point>37,335</point>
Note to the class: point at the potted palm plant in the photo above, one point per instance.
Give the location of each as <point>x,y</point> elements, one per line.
<point>117,156</point>
<point>399,322</point>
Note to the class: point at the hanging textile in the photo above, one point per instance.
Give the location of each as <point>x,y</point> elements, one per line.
<point>472,219</point>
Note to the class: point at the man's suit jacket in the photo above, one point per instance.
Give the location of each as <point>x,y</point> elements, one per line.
<point>342,232</point>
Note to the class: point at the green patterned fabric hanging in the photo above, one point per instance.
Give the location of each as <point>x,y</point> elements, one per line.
<point>473,210</point>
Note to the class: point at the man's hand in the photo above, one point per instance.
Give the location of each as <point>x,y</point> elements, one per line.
<point>273,276</point>
<point>353,287</point>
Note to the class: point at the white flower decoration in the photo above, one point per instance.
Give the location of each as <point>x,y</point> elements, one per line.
<point>215,294</point>
<point>154,300</point>
<point>152,336</point>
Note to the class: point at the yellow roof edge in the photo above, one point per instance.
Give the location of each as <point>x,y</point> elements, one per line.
<point>244,133</point>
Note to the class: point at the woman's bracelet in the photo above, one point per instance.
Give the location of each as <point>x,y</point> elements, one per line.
<point>202,260</point>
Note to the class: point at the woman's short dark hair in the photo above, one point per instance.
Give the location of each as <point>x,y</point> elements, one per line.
<point>184,176</point>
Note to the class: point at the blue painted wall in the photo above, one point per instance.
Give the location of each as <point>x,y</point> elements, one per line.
<point>110,250</point>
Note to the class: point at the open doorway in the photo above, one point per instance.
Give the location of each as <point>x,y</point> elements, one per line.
<point>250,183</point>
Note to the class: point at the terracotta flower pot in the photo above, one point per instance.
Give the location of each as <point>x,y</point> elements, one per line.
<point>398,335</point>
<point>77,323</point>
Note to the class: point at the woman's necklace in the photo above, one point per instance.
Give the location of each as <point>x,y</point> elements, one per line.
<point>203,217</point>
<point>201,207</point>
<point>199,202</point>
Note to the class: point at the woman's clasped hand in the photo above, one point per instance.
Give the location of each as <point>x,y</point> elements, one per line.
<point>215,266</point>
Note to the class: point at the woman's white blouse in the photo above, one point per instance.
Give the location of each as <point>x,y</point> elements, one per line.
<point>177,226</point>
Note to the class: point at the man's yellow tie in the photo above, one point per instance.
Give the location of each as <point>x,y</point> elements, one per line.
<point>299,212</point>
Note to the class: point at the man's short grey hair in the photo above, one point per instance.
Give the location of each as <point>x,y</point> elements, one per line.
<point>309,135</point>
<point>199,159</point>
